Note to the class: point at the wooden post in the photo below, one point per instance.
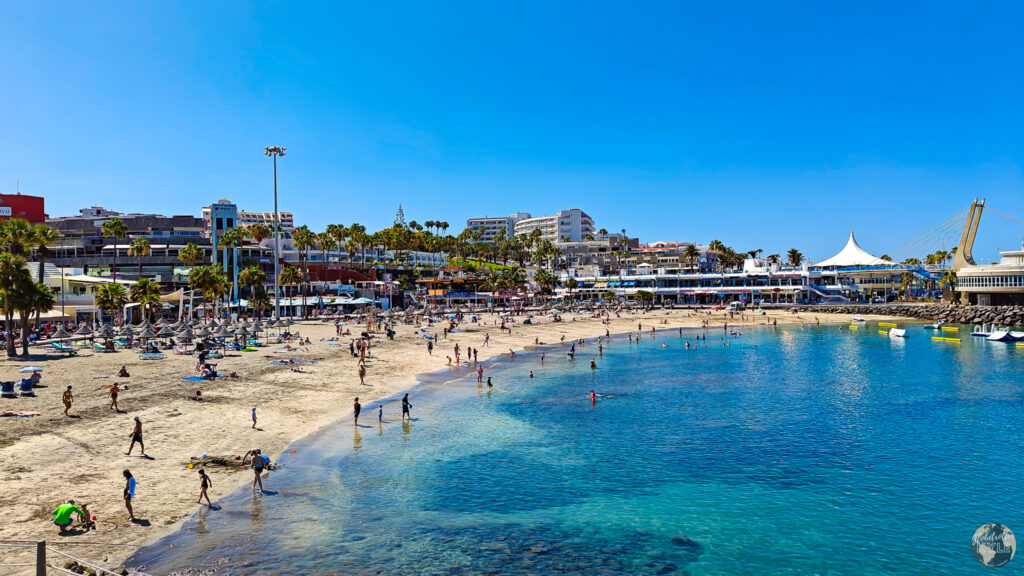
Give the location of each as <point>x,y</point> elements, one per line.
<point>41,558</point>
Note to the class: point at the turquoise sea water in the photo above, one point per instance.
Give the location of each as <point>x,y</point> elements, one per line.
<point>820,451</point>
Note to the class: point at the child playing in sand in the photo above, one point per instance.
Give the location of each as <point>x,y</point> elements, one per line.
<point>253,416</point>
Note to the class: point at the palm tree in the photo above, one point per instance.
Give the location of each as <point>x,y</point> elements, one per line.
<point>794,257</point>
<point>571,284</point>
<point>258,232</point>
<point>111,296</point>
<point>602,233</point>
<point>716,247</point>
<point>191,254</point>
<point>146,293</point>
<point>259,300</point>
<point>16,235</point>
<point>338,232</point>
<point>357,232</point>
<point>325,242</point>
<point>42,237</point>
<point>692,254</point>
<point>303,239</point>
<point>211,281</point>
<point>31,298</point>
<point>12,275</point>
<point>115,228</point>
<point>290,276</point>
<point>139,248</point>
<point>252,277</point>
<point>443,226</point>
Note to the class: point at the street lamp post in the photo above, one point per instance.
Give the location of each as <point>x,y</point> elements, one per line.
<point>274,152</point>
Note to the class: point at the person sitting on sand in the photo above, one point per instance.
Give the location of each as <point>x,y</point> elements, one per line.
<point>62,515</point>
<point>123,372</point>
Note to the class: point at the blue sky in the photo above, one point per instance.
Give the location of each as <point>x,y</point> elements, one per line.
<point>766,125</point>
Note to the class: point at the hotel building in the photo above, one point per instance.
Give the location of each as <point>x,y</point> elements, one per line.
<point>565,226</point>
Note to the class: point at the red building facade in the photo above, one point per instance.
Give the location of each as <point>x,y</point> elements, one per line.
<point>31,208</point>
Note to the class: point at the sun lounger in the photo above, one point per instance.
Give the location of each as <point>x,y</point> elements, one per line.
<point>26,387</point>
<point>7,390</point>
<point>180,350</point>
<point>152,356</point>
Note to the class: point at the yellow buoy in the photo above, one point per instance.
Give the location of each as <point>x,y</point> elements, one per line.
<point>949,328</point>
<point>945,339</point>
<point>889,324</point>
<point>852,327</point>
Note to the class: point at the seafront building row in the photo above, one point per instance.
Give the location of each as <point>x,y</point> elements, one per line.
<point>588,264</point>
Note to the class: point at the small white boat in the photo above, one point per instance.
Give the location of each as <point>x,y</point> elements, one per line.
<point>1017,335</point>
<point>983,331</point>
<point>935,326</point>
<point>897,333</point>
<point>999,336</point>
<point>859,319</point>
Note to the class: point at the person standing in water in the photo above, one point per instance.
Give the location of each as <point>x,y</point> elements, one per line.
<point>406,406</point>
<point>356,407</point>
<point>380,413</point>
<point>204,483</point>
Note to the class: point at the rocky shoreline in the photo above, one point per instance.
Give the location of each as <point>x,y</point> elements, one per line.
<point>1002,315</point>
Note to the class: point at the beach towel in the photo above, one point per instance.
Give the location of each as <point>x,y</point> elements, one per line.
<point>201,379</point>
<point>280,363</point>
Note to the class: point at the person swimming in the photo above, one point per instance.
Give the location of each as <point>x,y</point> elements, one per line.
<point>593,364</point>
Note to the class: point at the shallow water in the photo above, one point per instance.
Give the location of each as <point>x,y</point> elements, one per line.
<point>819,452</point>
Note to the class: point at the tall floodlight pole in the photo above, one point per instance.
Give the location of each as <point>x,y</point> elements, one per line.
<point>274,152</point>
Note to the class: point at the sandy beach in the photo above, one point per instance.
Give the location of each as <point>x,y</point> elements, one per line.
<point>50,458</point>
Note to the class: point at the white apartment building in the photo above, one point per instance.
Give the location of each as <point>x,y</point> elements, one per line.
<point>249,218</point>
<point>489,227</point>
<point>565,226</point>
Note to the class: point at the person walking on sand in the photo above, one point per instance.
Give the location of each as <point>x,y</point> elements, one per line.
<point>113,397</point>
<point>362,374</point>
<point>487,339</point>
<point>129,493</point>
<point>136,436</point>
<point>405,407</point>
<point>356,407</point>
<point>68,399</point>
<point>204,483</point>
<point>253,416</point>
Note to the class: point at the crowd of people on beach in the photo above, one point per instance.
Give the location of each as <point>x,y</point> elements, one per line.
<point>434,334</point>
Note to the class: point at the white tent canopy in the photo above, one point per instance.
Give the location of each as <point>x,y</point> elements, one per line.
<point>852,255</point>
